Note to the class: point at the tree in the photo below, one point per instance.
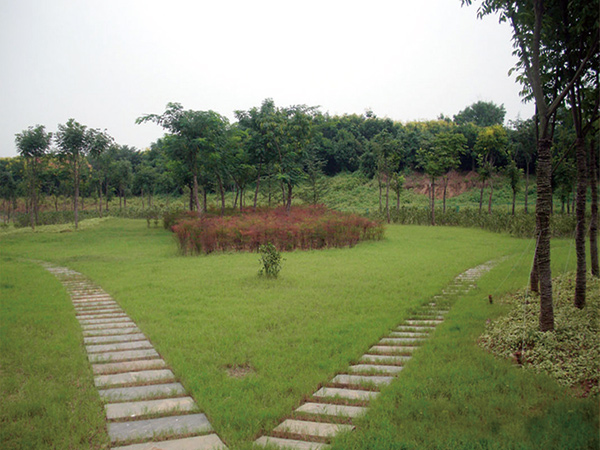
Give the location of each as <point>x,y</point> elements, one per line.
<point>491,150</point>
<point>482,114</point>
<point>33,144</point>
<point>192,133</point>
<point>75,141</point>
<point>514,175</point>
<point>534,30</point>
<point>521,135</point>
<point>8,193</point>
<point>440,157</point>
<point>387,157</point>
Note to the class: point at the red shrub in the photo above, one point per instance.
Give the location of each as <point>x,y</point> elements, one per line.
<point>301,228</point>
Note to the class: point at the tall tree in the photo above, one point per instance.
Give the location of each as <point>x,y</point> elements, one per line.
<point>75,141</point>
<point>534,25</point>
<point>482,114</point>
<point>491,151</point>
<point>33,144</point>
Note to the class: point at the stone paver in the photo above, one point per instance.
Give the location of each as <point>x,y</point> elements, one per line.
<point>328,409</point>
<point>138,377</point>
<point>390,359</point>
<point>346,394</point>
<point>173,425</point>
<point>128,410</point>
<point>122,356</point>
<point>207,442</point>
<point>109,331</point>
<point>103,348</point>
<point>128,366</point>
<point>287,443</point>
<point>142,392</point>
<point>318,429</point>
<point>375,368</point>
<point>114,338</point>
<point>361,380</point>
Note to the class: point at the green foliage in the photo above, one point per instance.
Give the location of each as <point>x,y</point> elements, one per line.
<point>570,354</point>
<point>270,260</point>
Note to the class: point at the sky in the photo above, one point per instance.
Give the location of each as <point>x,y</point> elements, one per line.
<point>107,62</point>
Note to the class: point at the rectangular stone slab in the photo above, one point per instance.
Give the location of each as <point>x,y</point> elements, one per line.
<point>375,368</point>
<point>142,392</point>
<point>409,334</point>
<point>306,428</point>
<point>390,348</point>
<point>114,338</point>
<point>105,326</point>
<point>99,321</point>
<point>401,341</point>
<point>423,322</point>
<point>133,377</point>
<point>348,394</point>
<point>385,358</point>
<point>332,410</point>
<point>101,315</point>
<point>288,443</point>
<point>172,426</point>
<point>109,331</point>
<point>207,442</point>
<point>101,348</point>
<point>362,380</point>
<point>122,356</point>
<point>129,410</point>
<point>128,366</point>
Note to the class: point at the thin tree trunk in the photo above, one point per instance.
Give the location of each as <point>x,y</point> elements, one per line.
<point>380,191</point>
<point>204,200</point>
<point>445,190</point>
<point>143,204</point>
<point>222,191</point>
<point>100,200</point>
<point>433,201</point>
<point>289,199</point>
<point>481,196</point>
<point>526,187</point>
<point>514,201</point>
<point>543,211</point>
<point>76,196</point>
<point>387,199</point>
<point>195,193</point>
<point>580,230</point>
<point>490,197</point>
<point>594,217</point>
<point>257,185</point>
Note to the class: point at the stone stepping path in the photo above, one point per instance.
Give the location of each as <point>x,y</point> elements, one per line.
<point>332,408</point>
<point>146,408</point>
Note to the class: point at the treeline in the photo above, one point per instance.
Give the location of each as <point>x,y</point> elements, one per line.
<point>268,152</point>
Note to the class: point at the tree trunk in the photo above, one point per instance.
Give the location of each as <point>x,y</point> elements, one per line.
<point>76,196</point>
<point>526,187</point>
<point>594,217</point>
<point>481,196</point>
<point>490,197</point>
<point>380,191</point>
<point>387,199</point>
<point>257,185</point>
<point>204,200</point>
<point>514,201</point>
<point>543,211</point>
<point>445,190</point>
<point>142,195</point>
<point>289,199</point>
<point>222,191</point>
<point>191,198</point>
<point>100,200</point>
<point>195,193</point>
<point>580,230</point>
<point>433,201</point>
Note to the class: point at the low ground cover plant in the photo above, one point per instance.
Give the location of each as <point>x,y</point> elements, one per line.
<point>305,228</point>
<point>570,354</point>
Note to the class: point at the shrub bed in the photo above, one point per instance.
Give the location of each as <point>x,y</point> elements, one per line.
<point>302,228</point>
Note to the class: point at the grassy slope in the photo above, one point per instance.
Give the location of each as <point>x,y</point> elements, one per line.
<point>207,313</point>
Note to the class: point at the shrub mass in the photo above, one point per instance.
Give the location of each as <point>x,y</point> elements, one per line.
<point>305,228</point>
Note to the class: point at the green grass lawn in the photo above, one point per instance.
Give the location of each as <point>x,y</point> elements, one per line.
<point>210,313</point>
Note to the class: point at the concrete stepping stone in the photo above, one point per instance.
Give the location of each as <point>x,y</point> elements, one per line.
<point>96,305</point>
<point>130,410</point>
<point>128,366</point>
<point>392,350</point>
<point>142,392</point>
<point>102,327</point>
<point>206,442</point>
<point>409,334</point>
<point>287,444</point>
<point>101,321</point>
<point>101,348</point>
<point>401,341</point>
<point>122,356</point>
<point>361,380</point>
<point>113,338</point>
<point>109,331</point>
<point>327,409</point>
<point>424,322</point>
<point>307,428</point>
<point>141,376</point>
<point>173,425</point>
<point>101,315</point>
<point>384,359</point>
<point>375,368</point>
<point>347,394</point>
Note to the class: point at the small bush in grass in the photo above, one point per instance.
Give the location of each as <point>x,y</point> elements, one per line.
<point>270,259</point>
<point>304,228</point>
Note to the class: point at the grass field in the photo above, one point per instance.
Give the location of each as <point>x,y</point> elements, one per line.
<point>210,313</point>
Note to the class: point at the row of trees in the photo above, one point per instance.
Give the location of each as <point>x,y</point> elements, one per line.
<point>557,45</point>
<point>203,152</point>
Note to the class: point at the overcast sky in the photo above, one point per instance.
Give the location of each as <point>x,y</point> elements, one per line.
<point>107,62</point>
